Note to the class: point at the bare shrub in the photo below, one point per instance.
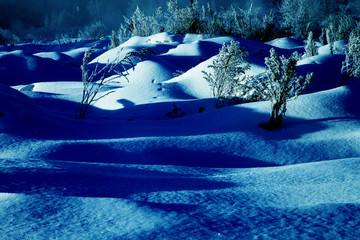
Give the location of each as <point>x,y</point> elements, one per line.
<point>94,81</point>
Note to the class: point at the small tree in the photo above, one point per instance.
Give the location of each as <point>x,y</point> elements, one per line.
<point>278,85</point>
<point>351,65</point>
<point>228,66</point>
<point>310,47</point>
<point>94,81</point>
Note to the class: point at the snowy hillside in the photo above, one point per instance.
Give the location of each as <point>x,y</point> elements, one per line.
<point>128,170</point>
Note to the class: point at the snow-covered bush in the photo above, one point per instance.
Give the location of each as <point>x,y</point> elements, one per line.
<point>94,31</point>
<point>7,37</point>
<point>351,65</point>
<point>227,70</point>
<point>310,47</point>
<point>278,85</point>
<point>94,81</point>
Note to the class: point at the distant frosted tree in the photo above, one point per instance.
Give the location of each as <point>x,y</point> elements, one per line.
<point>310,47</point>
<point>279,84</point>
<point>342,24</point>
<point>7,37</point>
<point>299,15</point>
<point>330,38</point>
<point>140,24</point>
<point>228,67</point>
<point>184,20</point>
<point>322,37</point>
<point>114,40</point>
<point>351,65</point>
<point>93,31</point>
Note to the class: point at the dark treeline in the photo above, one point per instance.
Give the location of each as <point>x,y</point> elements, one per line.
<point>18,15</point>
<point>33,13</point>
<point>44,19</point>
<point>24,16</point>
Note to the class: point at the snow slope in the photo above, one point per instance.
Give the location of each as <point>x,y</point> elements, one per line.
<point>130,171</point>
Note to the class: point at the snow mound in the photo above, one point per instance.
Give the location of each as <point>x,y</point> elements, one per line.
<point>18,112</point>
<point>154,158</point>
<point>18,68</point>
<point>287,43</point>
<point>59,57</point>
<point>143,85</point>
<point>191,84</point>
<point>339,48</point>
<point>326,69</point>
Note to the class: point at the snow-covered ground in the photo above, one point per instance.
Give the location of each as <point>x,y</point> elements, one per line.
<point>128,171</point>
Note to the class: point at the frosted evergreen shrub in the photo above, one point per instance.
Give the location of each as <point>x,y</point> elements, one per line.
<point>351,65</point>
<point>139,23</point>
<point>310,47</point>
<point>227,70</point>
<point>279,84</point>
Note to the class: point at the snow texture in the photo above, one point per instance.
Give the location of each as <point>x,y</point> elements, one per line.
<point>129,171</point>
